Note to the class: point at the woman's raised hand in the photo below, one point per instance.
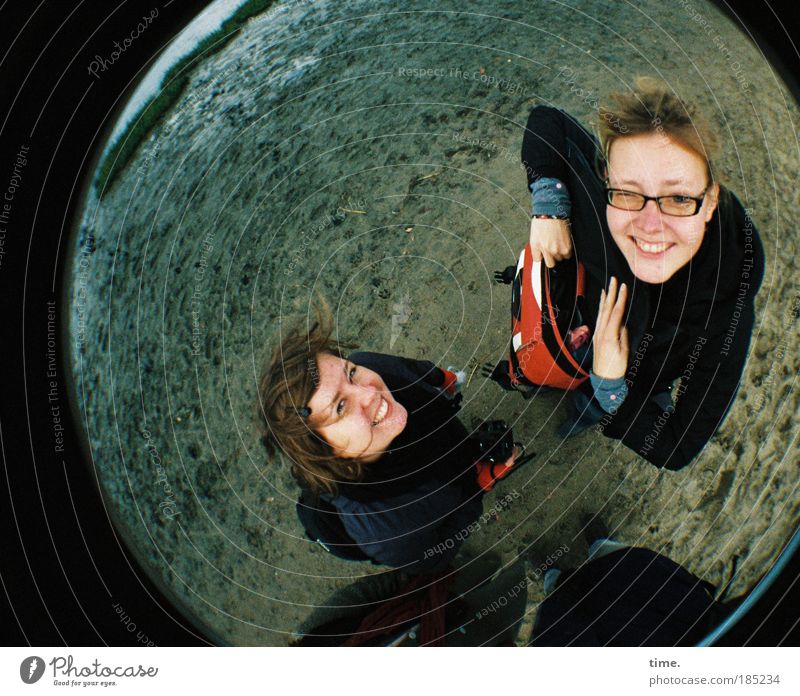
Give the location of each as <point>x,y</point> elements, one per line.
<point>610,336</point>
<point>551,240</point>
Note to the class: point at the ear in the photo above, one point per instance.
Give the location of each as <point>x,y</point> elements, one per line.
<point>712,198</point>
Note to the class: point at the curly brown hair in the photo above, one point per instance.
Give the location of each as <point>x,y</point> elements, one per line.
<point>287,382</point>
<point>652,107</point>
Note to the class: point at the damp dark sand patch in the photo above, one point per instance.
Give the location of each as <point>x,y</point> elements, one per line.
<point>373,157</point>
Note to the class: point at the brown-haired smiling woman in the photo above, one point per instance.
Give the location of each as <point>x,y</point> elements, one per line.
<point>644,212</point>
<point>388,471</point>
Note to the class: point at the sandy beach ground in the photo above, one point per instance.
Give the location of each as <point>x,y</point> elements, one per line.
<point>410,117</point>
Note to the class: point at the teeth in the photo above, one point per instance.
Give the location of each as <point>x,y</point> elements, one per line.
<point>651,248</point>
<point>381,412</point>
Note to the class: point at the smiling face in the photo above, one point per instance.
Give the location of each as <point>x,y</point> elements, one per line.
<point>359,415</point>
<point>654,244</point>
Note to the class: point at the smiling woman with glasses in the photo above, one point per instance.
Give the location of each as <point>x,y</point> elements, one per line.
<point>672,260</point>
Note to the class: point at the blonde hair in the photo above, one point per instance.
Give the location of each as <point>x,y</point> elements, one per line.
<point>654,108</point>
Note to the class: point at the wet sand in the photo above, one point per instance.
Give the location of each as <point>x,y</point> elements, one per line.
<point>231,218</point>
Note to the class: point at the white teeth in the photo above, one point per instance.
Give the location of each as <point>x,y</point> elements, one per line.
<point>381,412</point>
<point>650,248</point>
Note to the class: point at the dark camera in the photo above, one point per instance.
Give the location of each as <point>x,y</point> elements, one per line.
<point>495,441</point>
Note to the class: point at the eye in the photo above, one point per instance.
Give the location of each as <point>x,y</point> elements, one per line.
<point>341,406</point>
<point>680,200</point>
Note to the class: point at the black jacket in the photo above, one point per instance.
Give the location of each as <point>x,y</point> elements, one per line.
<point>696,327</point>
<point>419,501</point>
<point>631,597</point>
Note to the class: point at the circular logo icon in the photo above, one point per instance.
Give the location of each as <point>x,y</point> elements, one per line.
<point>31,669</point>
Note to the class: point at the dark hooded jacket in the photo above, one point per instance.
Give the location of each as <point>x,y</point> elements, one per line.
<point>419,501</point>
<point>688,336</point>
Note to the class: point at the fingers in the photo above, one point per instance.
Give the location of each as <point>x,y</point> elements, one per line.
<point>611,309</point>
<point>611,337</point>
<point>557,254</point>
<point>623,340</point>
<point>611,295</point>
<point>617,311</point>
<point>535,242</point>
<point>562,241</point>
<point>565,248</point>
<point>550,241</point>
<point>602,317</point>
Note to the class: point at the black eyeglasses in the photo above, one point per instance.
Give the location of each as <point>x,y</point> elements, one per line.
<point>677,205</point>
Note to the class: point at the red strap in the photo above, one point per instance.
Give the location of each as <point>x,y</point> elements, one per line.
<point>580,285</point>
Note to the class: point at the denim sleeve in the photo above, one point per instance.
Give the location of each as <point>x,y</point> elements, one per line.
<point>549,196</point>
<point>609,393</point>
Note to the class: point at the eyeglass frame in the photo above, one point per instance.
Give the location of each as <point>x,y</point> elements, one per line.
<point>698,200</point>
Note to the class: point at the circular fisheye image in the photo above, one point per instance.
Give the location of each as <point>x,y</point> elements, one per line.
<point>438,325</point>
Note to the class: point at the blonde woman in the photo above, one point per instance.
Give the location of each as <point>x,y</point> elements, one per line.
<point>672,260</point>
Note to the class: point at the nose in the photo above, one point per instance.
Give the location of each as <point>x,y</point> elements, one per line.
<point>649,219</point>
<point>364,394</point>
